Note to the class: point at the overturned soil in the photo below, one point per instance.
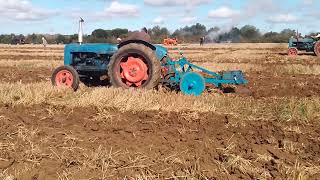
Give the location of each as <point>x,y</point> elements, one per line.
<point>14,74</point>
<point>46,142</point>
<point>32,57</point>
<point>264,85</point>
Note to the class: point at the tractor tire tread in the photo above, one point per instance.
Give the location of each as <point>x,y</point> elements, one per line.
<point>149,53</point>
<point>317,48</point>
<point>76,82</point>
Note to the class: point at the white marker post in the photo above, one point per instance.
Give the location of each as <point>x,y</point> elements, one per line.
<point>80,34</point>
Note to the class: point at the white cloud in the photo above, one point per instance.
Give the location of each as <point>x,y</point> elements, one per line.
<point>113,10</point>
<point>308,2</point>
<point>223,13</point>
<point>188,20</point>
<point>23,10</point>
<point>176,2</point>
<point>283,18</point>
<point>13,5</point>
<point>158,20</point>
<point>314,14</point>
<point>119,9</point>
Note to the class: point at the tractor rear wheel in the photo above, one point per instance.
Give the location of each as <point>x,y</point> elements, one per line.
<point>134,65</point>
<point>65,76</point>
<point>317,48</point>
<point>292,51</point>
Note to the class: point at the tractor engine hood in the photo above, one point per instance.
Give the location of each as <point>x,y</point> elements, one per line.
<point>98,48</point>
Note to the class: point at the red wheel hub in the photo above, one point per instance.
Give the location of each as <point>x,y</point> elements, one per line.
<point>292,52</point>
<point>134,71</point>
<point>64,78</point>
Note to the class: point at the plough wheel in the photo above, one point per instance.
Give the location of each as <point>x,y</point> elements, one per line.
<point>192,84</point>
<point>292,51</point>
<point>134,65</point>
<point>65,76</point>
<point>317,48</point>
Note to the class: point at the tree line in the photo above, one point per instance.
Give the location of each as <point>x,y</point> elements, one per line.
<point>187,34</point>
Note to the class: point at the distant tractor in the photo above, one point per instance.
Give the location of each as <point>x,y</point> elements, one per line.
<point>170,42</point>
<point>297,44</point>
<point>136,64</point>
<point>18,40</point>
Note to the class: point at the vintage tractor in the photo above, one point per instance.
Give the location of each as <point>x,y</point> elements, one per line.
<point>136,64</point>
<point>170,42</point>
<point>297,44</point>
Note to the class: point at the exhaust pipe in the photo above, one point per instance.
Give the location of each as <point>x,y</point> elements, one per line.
<point>80,34</point>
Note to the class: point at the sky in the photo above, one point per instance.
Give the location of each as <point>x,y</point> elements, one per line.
<point>61,16</point>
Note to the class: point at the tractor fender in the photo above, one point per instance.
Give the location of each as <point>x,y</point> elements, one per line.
<point>137,42</point>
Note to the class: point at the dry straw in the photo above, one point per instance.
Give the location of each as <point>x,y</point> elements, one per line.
<point>244,108</point>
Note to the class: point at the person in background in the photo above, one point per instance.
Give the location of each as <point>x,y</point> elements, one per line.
<point>44,42</point>
<point>201,41</point>
<point>119,40</point>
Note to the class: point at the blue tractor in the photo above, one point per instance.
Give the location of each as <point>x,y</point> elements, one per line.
<point>136,64</point>
<point>311,44</point>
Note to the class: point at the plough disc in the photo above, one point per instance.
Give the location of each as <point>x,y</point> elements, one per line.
<point>192,84</point>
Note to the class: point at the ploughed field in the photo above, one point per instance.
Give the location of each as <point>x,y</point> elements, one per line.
<point>268,129</point>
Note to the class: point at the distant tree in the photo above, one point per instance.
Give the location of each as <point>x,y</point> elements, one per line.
<point>287,33</point>
<point>119,32</point>
<point>187,34</point>
<point>275,37</point>
<point>32,39</point>
<point>73,38</point>
<point>234,35</point>
<point>158,34</point>
<point>250,33</point>
<point>191,33</point>
<point>61,39</point>
<point>100,33</point>
<point>214,29</point>
<point>270,37</point>
<point>197,29</point>
<point>6,39</point>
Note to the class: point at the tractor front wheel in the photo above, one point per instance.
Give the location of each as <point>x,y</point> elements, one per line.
<point>134,65</point>
<point>317,48</point>
<point>292,51</point>
<point>65,76</point>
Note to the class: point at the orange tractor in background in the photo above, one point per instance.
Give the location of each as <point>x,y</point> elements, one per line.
<point>170,42</point>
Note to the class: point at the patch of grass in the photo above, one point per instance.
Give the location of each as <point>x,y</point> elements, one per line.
<point>305,109</point>
<point>302,172</point>
<point>296,69</point>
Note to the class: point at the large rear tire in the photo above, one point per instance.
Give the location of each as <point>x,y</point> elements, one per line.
<point>134,65</point>
<point>317,48</point>
<point>65,76</point>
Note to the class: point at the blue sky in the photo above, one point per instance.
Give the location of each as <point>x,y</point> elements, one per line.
<point>61,16</point>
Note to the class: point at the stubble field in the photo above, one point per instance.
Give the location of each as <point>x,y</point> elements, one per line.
<point>268,129</point>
